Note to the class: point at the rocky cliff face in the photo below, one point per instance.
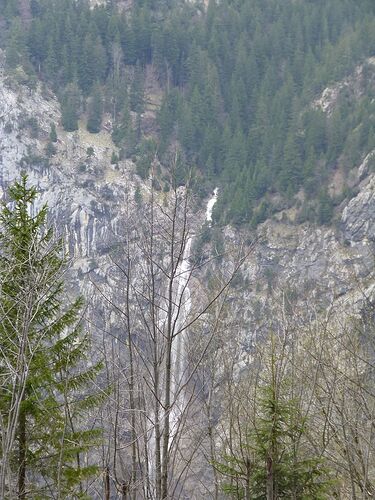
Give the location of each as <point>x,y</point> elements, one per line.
<point>322,264</point>
<point>87,198</point>
<point>84,192</point>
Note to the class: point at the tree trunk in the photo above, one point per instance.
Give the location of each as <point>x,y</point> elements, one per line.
<point>133,480</point>
<point>248,473</point>
<point>107,485</point>
<point>270,480</point>
<point>168,366</point>
<point>22,456</point>
<point>166,429</point>
<point>124,491</point>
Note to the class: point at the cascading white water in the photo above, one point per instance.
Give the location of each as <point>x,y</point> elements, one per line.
<point>179,344</point>
<point>179,358</point>
<point>182,300</point>
<point>210,205</point>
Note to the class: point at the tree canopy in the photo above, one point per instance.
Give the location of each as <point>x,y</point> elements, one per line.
<point>238,82</point>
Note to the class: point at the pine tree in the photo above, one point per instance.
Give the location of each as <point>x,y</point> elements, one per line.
<point>95,110</point>
<point>16,50</point>
<point>291,174</point>
<point>44,432</point>
<point>87,66</point>
<point>52,64</point>
<point>276,462</point>
<point>53,133</point>
<point>70,104</point>
<point>325,208</point>
<point>136,94</point>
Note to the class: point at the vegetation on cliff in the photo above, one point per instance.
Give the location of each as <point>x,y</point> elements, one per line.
<point>238,80</point>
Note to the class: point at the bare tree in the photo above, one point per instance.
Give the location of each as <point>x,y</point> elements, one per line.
<point>160,304</point>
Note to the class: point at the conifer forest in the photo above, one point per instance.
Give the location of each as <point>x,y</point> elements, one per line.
<point>187,249</point>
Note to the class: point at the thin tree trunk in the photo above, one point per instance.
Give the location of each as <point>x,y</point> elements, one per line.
<point>124,491</point>
<point>247,487</point>
<point>156,367</point>
<point>157,432</point>
<point>133,480</point>
<point>107,484</point>
<point>22,456</point>
<point>270,480</point>
<point>212,443</point>
<point>168,363</point>
<point>166,429</point>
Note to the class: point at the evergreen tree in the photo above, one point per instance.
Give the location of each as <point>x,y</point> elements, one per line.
<point>70,105</point>
<point>325,208</point>
<point>9,8</point>
<point>44,433</point>
<point>16,50</point>
<point>335,135</point>
<point>291,174</point>
<point>285,55</point>
<point>95,110</point>
<point>53,133</point>
<point>52,64</point>
<point>87,65</point>
<point>50,149</point>
<point>136,94</point>
<point>277,461</point>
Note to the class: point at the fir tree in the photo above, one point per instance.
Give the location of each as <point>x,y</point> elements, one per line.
<point>41,370</point>
<point>325,208</point>
<point>70,104</point>
<point>16,45</point>
<point>276,461</point>
<point>53,133</point>
<point>95,111</point>
<point>136,94</point>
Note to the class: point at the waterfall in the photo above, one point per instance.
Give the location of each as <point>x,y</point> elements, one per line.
<point>210,205</point>
<point>183,302</point>
<point>179,361</point>
<point>179,358</point>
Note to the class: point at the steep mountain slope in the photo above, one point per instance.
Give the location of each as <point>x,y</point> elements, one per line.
<point>294,263</point>
<point>87,199</point>
<point>231,84</point>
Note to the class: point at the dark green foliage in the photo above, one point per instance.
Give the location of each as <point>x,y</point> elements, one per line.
<point>325,208</point>
<point>136,95</point>
<point>95,111</point>
<point>238,83</point>
<point>114,158</point>
<point>43,355</point>
<point>275,459</point>
<point>70,105</point>
<point>53,133</point>
<point>138,196</point>
<point>16,47</point>
<point>146,155</point>
<point>124,135</point>
<point>50,149</point>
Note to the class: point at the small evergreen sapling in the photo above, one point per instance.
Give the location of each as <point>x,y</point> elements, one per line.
<point>53,133</point>
<point>275,461</point>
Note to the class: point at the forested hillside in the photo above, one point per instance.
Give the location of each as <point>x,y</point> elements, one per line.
<point>187,241</point>
<point>238,80</point>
